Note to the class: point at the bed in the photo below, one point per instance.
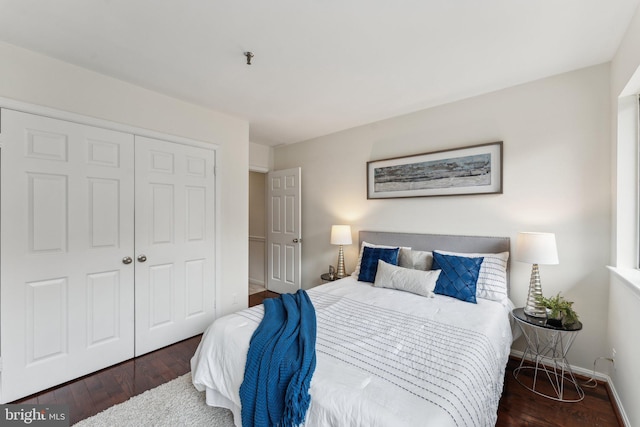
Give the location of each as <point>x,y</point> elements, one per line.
<point>385,357</point>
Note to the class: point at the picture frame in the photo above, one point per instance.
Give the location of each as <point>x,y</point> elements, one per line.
<point>475,169</point>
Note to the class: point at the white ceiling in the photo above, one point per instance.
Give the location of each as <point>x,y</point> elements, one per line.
<point>320,66</point>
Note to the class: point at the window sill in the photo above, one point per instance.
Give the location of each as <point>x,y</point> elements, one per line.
<point>629,276</point>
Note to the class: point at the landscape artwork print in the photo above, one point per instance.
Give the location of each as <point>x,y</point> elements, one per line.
<point>469,170</point>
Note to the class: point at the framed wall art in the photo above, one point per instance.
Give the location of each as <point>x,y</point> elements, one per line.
<point>475,169</point>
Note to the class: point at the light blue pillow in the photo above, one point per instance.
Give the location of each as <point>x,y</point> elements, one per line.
<point>458,277</point>
<point>369,263</point>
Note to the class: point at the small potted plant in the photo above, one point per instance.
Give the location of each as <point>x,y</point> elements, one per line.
<point>559,310</point>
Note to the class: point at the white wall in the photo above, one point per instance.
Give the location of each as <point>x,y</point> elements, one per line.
<point>260,157</point>
<point>624,293</point>
<point>37,79</point>
<point>556,135</point>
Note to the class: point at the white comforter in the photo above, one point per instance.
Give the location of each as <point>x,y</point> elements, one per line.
<point>384,358</point>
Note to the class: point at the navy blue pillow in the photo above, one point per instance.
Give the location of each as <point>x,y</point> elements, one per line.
<point>369,261</point>
<point>458,277</point>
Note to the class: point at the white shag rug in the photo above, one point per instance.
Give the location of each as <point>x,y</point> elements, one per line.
<point>174,404</point>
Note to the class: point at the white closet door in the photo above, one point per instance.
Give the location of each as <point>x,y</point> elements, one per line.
<point>66,225</point>
<point>175,242</point>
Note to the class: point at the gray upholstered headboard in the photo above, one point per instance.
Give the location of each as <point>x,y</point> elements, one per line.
<point>429,242</point>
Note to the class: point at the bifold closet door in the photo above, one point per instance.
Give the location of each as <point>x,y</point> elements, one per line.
<point>67,297</point>
<point>175,242</point>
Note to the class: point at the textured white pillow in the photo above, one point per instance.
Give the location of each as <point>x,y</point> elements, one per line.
<point>356,272</point>
<point>419,282</point>
<point>417,260</point>
<point>492,279</point>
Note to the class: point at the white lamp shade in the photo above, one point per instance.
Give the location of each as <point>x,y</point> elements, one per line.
<point>341,235</point>
<point>536,248</point>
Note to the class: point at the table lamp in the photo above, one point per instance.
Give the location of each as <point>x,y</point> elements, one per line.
<point>341,235</point>
<point>536,248</point>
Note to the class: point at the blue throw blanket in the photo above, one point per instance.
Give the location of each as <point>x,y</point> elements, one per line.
<point>280,363</point>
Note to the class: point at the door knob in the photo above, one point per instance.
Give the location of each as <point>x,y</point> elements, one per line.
<point>142,258</point>
<point>127,260</point>
<point>297,240</point>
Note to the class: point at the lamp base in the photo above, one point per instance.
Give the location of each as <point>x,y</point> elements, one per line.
<point>533,307</point>
<point>340,273</point>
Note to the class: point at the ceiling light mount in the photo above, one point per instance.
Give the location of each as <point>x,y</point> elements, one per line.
<point>249,55</point>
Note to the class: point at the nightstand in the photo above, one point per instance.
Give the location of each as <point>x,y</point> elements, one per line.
<point>547,348</point>
<point>325,278</point>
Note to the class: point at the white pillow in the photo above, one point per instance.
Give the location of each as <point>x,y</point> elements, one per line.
<point>417,260</point>
<point>419,282</point>
<point>356,272</point>
<point>492,278</point>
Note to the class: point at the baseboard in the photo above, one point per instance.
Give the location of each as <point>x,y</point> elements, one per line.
<point>599,376</point>
<point>257,282</point>
<point>622,415</point>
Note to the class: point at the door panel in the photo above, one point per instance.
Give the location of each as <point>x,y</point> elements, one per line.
<point>47,327</point>
<point>161,281</point>
<point>196,214</point>
<point>103,307</point>
<point>195,287</point>
<point>66,223</point>
<point>284,230</point>
<point>47,202</point>
<point>175,286</point>
<point>104,218</point>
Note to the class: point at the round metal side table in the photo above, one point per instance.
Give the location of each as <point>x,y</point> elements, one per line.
<point>326,278</point>
<point>547,348</point>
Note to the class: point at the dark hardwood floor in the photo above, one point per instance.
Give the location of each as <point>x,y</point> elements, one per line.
<point>518,407</point>
<point>256,299</point>
<point>94,393</point>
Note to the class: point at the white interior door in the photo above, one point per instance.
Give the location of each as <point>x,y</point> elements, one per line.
<point>284,236</point>
<point>175,242</point>
<point>66,225</point>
